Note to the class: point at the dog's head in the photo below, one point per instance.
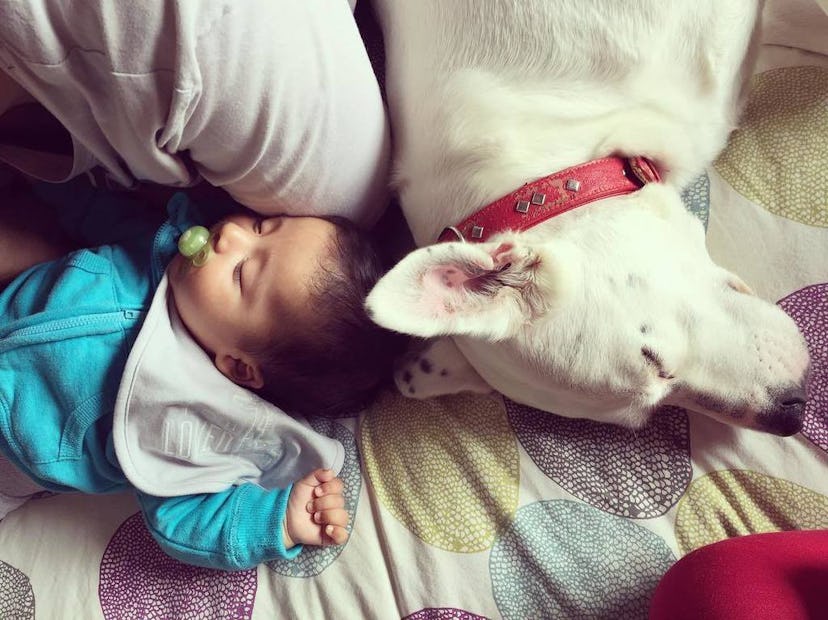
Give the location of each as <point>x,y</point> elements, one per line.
<point>606,313</point>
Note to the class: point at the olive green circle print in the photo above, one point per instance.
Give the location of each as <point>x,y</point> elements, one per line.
<point>729,503</point>
<point>778,156</point>
<point>446,468</point>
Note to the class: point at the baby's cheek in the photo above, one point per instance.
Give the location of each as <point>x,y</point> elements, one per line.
<point>184,290</point>
<point>174,272</point>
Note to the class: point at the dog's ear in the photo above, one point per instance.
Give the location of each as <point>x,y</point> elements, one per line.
<point>487,290</point>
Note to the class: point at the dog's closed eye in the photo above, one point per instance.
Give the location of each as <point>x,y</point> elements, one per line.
<point>739,286</point>
<point>654,360</point>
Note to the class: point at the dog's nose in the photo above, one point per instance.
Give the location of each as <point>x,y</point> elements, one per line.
<point>786,418</point>
<point>793,398</point>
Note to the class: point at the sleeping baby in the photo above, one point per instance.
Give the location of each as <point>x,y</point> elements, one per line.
<point>151,364</point>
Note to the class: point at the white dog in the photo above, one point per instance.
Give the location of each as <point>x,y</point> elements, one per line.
<point>613,308</point>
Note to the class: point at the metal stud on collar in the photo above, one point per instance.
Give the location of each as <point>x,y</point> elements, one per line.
<point>477,232</point>
<point>538,198</point>
<point>522,206</point>
<point>573,185</point>
<point>456,232</point>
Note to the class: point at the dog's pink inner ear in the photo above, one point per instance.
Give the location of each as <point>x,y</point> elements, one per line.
<point>444,289</point>
<point>445,276</point>
<point>451,280</point>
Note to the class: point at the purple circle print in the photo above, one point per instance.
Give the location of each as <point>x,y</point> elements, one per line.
<point>16,596</point>
<point>443,613</point>
<point>808,307</point>
<point>637,474</point>
<point>138,580</point>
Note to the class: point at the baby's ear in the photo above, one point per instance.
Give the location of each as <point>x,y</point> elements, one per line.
<point>240,368</point>
<point>485,290</point>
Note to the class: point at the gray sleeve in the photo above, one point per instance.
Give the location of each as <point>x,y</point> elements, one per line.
<point>295,122</point>
<point>274,100</point>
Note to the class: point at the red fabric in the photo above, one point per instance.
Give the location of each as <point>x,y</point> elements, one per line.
<point>782,575</point>
<point>555,194</point>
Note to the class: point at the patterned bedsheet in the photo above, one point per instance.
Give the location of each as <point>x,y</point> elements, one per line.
<point>477,507</point>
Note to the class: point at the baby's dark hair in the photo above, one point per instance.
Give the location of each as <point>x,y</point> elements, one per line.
<point>337,364</point>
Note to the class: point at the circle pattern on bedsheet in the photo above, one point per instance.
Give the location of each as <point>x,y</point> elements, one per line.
<point>313,560</point>
<point>636,474</point>
<point>447,468</point>
<point>564,559</point>
<point>729,503</point>
<point>443,613</point>
<point>809,309</point>
<point>138,580</point>
<point>696,197</point>
<point>777,158</point>
<point>16,596</point>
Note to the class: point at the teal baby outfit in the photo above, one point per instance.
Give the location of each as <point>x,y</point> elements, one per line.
<point>66,330</point>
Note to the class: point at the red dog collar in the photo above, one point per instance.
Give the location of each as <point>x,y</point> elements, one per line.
<point>555,194</point>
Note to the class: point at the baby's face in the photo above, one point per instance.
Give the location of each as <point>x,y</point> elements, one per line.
<point>256,279</point>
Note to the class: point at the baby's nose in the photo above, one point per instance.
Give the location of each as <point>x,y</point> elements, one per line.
<point>229,237</point>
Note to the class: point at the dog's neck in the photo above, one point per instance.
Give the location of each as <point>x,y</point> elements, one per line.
<point>475,120</point>
<point>499,138</point>
<point>553,195</point>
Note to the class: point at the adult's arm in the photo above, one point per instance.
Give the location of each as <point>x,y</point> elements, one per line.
<point>28,235</point>
<point>273,100</point>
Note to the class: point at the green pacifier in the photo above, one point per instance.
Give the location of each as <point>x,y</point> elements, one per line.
<point>194,245</point>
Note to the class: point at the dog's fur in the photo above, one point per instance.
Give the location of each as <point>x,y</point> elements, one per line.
<point>615,308</point>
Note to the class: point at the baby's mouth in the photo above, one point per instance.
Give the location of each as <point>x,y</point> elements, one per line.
<point>196,244</point>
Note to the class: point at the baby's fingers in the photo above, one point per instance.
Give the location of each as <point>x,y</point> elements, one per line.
<point>326,502</point>
<point>317,477</point>
<point>332,487</point>
<point>335,535</point>
<point>332,516</point>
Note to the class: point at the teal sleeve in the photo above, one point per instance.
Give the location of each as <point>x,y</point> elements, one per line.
<point>235,529</point>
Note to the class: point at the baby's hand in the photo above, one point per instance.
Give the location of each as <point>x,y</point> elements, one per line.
<point>316,512</point>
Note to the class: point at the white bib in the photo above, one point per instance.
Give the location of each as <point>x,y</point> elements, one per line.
<point>181,427</point>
